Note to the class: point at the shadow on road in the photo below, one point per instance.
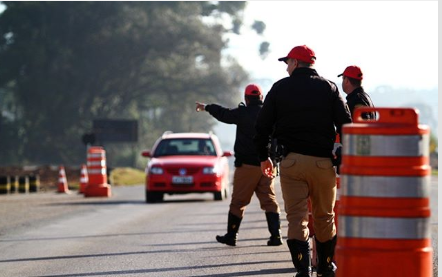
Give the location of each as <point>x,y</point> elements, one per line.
<point>212,266</point>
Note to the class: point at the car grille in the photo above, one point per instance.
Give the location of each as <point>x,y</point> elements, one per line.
<point>207,184</point>
<point>175,170</point>
<point>159,185</point>
<point>182,185</point>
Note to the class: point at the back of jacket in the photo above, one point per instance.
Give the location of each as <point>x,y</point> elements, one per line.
<point>307,111</point>
<point>359,98</point>
<point>244,117</point>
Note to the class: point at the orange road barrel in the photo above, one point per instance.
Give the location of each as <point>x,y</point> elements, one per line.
<point>384,212</point>
<point>5,185</point>
<point>23,184</point>
<point>96,168</point>
<point>34,183</point>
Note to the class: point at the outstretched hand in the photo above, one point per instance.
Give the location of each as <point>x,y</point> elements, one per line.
<point>267,168</point>
<point>200,106</point>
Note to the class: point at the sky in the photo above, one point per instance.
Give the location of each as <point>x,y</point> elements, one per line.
<point>394,42</point>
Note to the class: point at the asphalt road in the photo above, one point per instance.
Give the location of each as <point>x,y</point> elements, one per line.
<point>50,234</point>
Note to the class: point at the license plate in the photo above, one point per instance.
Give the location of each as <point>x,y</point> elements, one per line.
<point>182,179</point>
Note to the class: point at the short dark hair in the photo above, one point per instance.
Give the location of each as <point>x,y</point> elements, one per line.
<point>304,64</point>
<point>354,82</point>
<point>253,97</point>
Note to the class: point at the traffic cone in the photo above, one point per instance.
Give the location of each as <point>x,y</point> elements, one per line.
<point>84,179</point>
<point>62,181</point>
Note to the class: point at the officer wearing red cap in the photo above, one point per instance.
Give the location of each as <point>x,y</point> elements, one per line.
<point>304,112</point>
<point>352,86</point>
<point>248,178</point>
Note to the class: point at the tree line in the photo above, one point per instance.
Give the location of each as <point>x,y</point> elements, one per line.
<point>64,64</point>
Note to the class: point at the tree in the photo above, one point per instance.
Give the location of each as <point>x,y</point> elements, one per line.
<point>67,63</point>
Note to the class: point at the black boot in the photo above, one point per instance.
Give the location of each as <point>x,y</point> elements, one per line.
<point>300,251</point>
<point>326,251</point>
<point>233,223</point>
<point>274,224</point>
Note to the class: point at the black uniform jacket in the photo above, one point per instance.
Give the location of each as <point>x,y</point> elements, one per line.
<point>357,98</point>
<point>244,117</point>
<point>306,111</point>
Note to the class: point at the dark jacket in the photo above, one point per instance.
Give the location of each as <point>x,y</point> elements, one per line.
<point>357,98</point>
<point>244,117</point>
<point>306,111</point>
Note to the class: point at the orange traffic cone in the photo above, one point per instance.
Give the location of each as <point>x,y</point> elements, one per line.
<point>84,179</point>
<point>62,181</point>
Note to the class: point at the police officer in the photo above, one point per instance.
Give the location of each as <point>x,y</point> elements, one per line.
<point>247,178</point>
<point>306,111</point>
<point>356,96</point>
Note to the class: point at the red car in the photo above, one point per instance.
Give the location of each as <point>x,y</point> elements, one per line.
<point>186,163</point>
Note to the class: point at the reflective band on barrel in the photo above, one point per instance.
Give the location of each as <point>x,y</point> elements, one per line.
<point>100,163</point>
<point>384,227</point>
<point>380,186</point>
<point>97,171</point>
<point>96,155</point>
<point>386,146</point>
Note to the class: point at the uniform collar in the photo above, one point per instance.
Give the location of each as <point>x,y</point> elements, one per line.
<point>355,92</point>
<point>255,102</point>
<point>304,71</point>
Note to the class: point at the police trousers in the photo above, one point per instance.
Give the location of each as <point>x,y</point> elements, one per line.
<point>248,179</point>
<point>304,177</point>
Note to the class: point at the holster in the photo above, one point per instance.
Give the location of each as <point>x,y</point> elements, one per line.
<point>337,159</point>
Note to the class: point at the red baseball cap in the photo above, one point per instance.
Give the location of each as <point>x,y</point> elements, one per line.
<point>253,89</point>
<point>352,71</point>
<point>302,53</point>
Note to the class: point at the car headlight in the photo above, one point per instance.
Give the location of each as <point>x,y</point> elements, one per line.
<point>156,170</point>
<point>210,170</point>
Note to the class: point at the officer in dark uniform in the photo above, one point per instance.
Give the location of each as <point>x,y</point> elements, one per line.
<point>356,96</point>
<point>304,111</point>
<point>248,178</point>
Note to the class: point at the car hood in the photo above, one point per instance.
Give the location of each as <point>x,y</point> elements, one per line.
<point>185,161</point>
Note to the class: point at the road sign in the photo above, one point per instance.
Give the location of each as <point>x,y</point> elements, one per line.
<point>115,130</point>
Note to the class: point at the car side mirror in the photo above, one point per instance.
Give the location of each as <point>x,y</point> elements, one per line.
<point>146,153</point>
<point>227,154</point>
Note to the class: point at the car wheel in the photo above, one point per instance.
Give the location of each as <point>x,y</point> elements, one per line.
<point>221,195</point>
<point>153,197</point>
<point>218,196</point>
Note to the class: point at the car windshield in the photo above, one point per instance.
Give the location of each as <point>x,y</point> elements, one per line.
<point>191,146</point>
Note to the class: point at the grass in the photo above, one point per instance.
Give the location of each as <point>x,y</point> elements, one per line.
<point>126,176</point>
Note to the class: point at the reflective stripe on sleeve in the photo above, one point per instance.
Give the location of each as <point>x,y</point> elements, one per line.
<point>384,227</point>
